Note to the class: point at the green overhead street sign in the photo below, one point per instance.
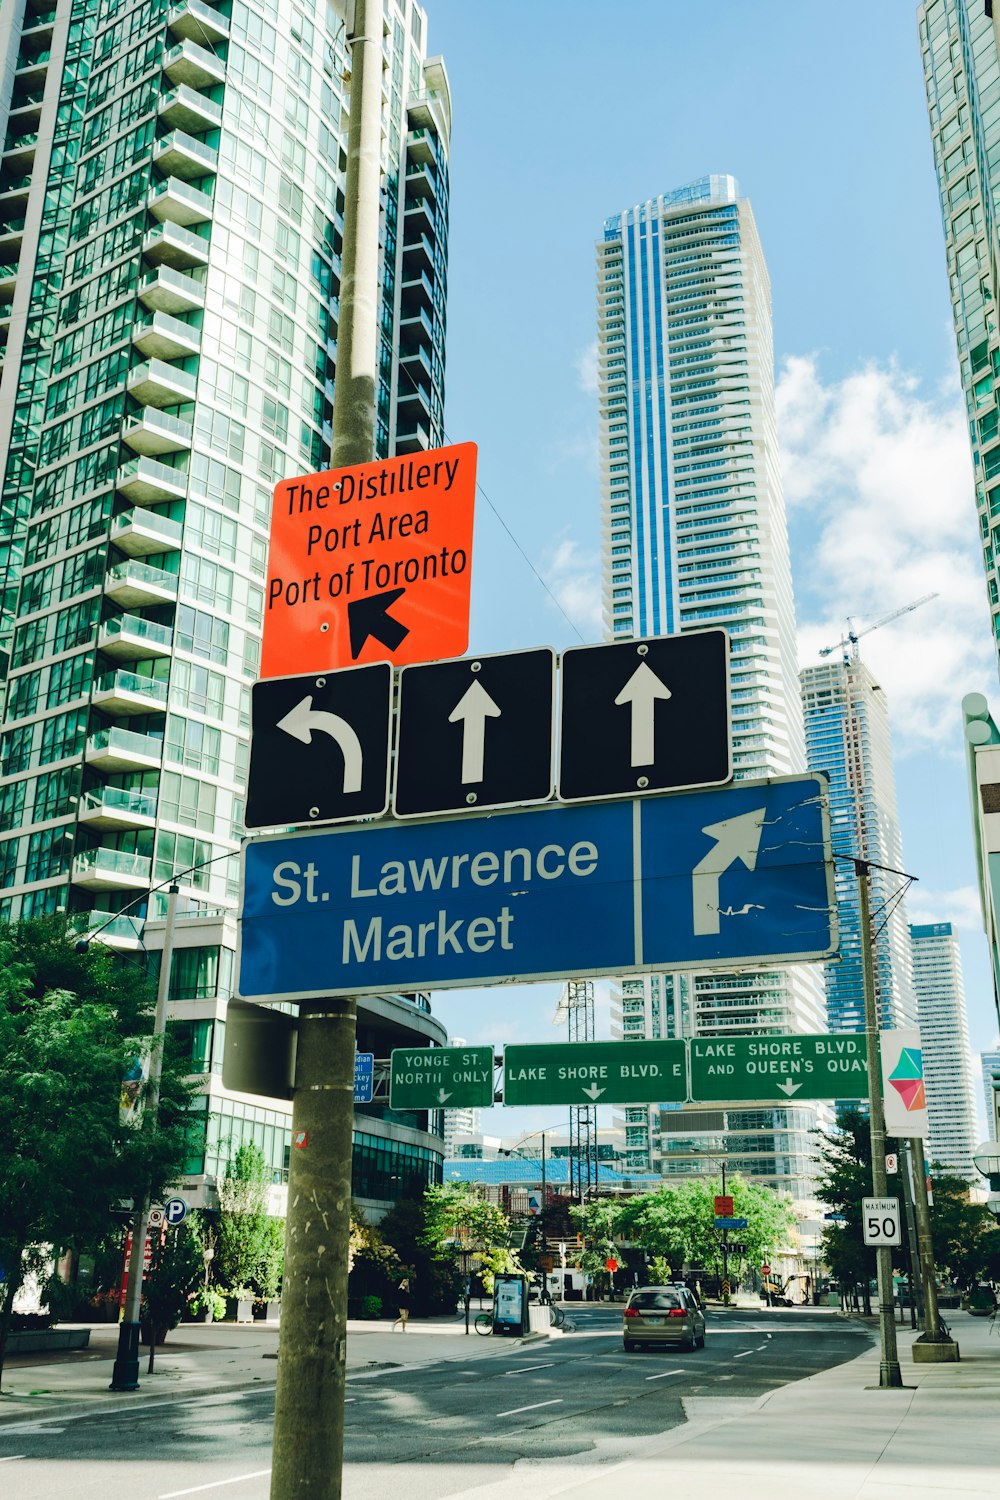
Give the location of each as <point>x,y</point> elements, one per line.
<point>595,1073</point>
<point>441,1078</point>
<point>760,1068</point>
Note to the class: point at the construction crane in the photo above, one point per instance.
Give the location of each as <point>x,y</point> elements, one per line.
<point>849,644</point>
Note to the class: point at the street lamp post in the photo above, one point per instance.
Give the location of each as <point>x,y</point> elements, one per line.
<point>986,1160</point>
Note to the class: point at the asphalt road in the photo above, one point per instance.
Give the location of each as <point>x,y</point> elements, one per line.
<point>426,1433</point>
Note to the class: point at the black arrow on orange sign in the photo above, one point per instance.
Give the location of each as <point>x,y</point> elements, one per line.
<point>371,616</point>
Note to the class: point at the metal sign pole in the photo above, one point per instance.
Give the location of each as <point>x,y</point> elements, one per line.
<point>890,1374</point>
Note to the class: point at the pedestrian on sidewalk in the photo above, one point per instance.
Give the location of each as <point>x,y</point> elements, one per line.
<point>404,1304</point>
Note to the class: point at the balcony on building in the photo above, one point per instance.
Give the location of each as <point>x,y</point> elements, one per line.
<point>11,236</point>
<point>172,245</point>
<point>132,638</point>
<point>143,533</point>
<point>19,153</point>
<point>191,63</point>
<point>8,282</point>
<point>26,108</point>
<point>113,750</point>
<point>421,184</point>
<point>115,808</point>
<point>418,219</point>
<point>126,694</point>
<point>418,255</point>
<point>162,336</point>
<point>111,870</point>
<point>185,109</point>
<point>415,328</point>
<point>31,71</point>
<point>156,383</point>
<point>151,431</point>
<point>197,22</point>
<point>179,202</point>
<point>145,481</point>
<point>181,155</point>
<point>421,146</point>
<point>412,436</point>
<point>36,35</point>
<point>14,192</point>
<point>164,290</point>
<point>137,585</point>
<point>413,403</point>
<point>416,294</point>
<point>116,931</point>
<point>417,364</point>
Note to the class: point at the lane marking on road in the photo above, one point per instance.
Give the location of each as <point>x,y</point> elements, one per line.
<point>514,1411</point>
<point>523,1369</point>
<point>11,1457</point>
<point>665,1374</point>
<point>743,1355</point>
<point>216,1484</point>
<point>39,1431</point>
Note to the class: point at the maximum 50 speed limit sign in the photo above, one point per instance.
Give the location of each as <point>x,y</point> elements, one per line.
<point>880,1221</point>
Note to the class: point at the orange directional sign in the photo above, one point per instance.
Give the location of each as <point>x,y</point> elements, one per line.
<point>371,563</point>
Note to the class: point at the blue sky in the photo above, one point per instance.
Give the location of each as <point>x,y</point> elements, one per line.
<point>567,112</point>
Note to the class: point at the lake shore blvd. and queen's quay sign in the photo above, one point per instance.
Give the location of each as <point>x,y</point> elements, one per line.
<point>371,563</point>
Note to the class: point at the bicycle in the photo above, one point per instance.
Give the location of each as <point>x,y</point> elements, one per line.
<point>484,1323</point>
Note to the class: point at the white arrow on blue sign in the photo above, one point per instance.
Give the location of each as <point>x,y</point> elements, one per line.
<point>602,888</point>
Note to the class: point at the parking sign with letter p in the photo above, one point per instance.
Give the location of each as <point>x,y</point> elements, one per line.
<point>175,1211</point>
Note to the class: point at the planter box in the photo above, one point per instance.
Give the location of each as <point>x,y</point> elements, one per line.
<point>239,1310</point>
<point>42,1340</point>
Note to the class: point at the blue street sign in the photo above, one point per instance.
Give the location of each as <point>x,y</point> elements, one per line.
<point>691,880</point>
<point>364,1065</point>
<point>175,1211</point>
<point>723,1223</point>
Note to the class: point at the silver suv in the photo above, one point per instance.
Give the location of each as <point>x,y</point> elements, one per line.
<point>663,1315</point>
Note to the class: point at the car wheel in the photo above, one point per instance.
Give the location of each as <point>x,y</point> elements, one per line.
<point>629,1347</point>
<point>701,1342</point>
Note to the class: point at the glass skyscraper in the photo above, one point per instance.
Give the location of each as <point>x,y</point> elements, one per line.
<point>171,222</point>
<point>949,1074</point>
<point>847,736</point>
<point>959,48</point>
<point>694,534</point>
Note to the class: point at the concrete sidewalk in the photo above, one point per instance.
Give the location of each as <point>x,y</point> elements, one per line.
<point>831,1437</point>
<point>199,1358</point>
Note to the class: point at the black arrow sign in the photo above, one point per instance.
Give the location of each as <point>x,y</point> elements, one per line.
<point>370,616</point>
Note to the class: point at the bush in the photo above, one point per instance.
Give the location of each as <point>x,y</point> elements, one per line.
<point>208,1300</point>
<point>371,1307</point>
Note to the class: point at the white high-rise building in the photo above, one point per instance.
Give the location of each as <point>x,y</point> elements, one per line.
<point>694,535</point>
<point>847,736</point>
<point>944,1033</point>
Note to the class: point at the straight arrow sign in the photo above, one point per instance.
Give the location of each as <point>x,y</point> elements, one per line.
<point>471,711</point>
<point>641,693</point>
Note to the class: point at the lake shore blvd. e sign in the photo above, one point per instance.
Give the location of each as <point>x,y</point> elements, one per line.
<point>595,1073</point>
<point>690,880</point>
<point>371,563</point>
<point>779,1067</point>
<point>441,1078</point>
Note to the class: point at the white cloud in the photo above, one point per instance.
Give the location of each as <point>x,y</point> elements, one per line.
<point>960,906</point>
<point>878,480</point>
<point>574,576</point>
<point>586,368</point>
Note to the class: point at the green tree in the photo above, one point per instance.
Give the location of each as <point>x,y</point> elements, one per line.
<point>244,1238</point>
<point>175,1270</point>
<point>429,1265</point>
<point>71,1026</point>
<point>845,1161</point>
<point>964,1235</point>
